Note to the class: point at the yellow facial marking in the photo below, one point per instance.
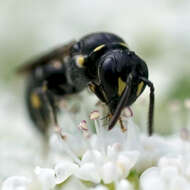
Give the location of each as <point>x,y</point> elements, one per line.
<point>123,44</point>
<point>80,61</point>
<point>98,48</point>
<point>121,86</point>
<point>139,89</point>
<point>35,100</point>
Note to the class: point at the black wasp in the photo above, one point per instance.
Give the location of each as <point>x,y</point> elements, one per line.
<point>101,61</point>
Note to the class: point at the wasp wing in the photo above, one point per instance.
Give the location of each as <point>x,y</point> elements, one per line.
<point>57,53</point>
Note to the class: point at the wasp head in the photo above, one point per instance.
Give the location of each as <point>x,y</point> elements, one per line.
<point>120,77</point>
<point>114,68</point>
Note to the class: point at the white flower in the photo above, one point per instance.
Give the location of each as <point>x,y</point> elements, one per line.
<point>108,158</point>
<point>99,187</point>
<point>124,185</point>
<point>63,170</point>
<point>16,183</point>
<point>151,179</point>
<point>170,174</point>
<point>151,150</point>
<point>114,159</point>
<point>108,172</point>
<point>46,177</point>
<point>88,172</point>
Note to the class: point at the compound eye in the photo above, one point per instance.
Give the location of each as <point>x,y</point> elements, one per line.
<point>108,77</point>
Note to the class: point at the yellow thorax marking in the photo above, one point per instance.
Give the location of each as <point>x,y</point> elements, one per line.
<point>121,86</point>
<point>35,100</point>
<point>139,88</point>
<point>98,48</point>
<point>123,44</point>
<point>80,61</point>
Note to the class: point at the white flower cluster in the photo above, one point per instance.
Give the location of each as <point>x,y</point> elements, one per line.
<point>172,171</point>
<point>113,160</point>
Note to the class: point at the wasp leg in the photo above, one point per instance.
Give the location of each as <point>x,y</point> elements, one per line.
<point>42,107</point>
<point>123,128</point>
<point>96,89</point>
<point>43,111</point>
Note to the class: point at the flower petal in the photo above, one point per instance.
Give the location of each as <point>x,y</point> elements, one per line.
<point>63,170</point>
<point>88,172</point>
<point>92,156</point>
<point>124,185</point>
<point>46,177</point>
<point>150,180</point>
<point>108,172</point>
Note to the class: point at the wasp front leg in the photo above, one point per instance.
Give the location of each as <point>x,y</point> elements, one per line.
<point>97,90</point>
